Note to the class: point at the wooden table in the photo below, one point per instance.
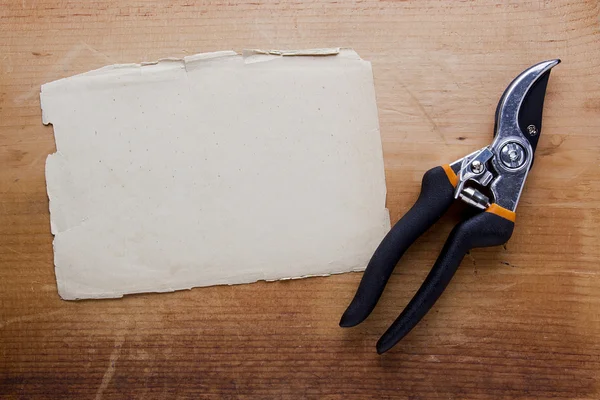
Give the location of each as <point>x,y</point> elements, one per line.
<point>521,321</point>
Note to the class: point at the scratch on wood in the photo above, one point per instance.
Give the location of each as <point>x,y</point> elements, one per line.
<point>424,112</point>
<point>501,288</point>
<point>473,262</point>
<point>13,250</point>
<point>98,52</point>
<point>110,370</point>
<point>28,318</point>
<point>584,273</point>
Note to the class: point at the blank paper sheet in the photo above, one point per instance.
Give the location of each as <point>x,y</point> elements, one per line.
<point>219,168</point>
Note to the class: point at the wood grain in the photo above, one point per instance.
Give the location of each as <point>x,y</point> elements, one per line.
<point>517,322</point>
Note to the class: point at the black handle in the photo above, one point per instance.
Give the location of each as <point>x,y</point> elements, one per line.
<point>483,230</point>
<point>437,194</point>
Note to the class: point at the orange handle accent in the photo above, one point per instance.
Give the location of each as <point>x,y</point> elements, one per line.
<point>502,212</point>
<point>450,174</point>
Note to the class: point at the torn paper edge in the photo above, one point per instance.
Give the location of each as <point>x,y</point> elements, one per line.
<point>248,57</point>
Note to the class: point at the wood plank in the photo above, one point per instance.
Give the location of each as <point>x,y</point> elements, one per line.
<point>516,322</point>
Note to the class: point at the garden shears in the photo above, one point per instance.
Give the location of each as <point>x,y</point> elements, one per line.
<point>490,180</point>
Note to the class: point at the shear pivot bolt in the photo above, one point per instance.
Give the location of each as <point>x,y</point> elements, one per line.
<point>512,155</point>
<point>477,167</point>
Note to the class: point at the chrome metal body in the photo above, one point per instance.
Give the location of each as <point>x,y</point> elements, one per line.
<point>502,166</point>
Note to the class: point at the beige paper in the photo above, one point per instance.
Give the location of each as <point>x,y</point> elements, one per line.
<point>216,169</point>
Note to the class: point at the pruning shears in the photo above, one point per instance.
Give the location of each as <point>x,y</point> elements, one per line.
<point>490,180</point>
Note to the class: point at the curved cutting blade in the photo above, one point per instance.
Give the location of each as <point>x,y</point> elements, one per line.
<point>517,131</point>
<point>520,108</point>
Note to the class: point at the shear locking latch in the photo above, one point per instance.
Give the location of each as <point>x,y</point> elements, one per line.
<point>490,179</point>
